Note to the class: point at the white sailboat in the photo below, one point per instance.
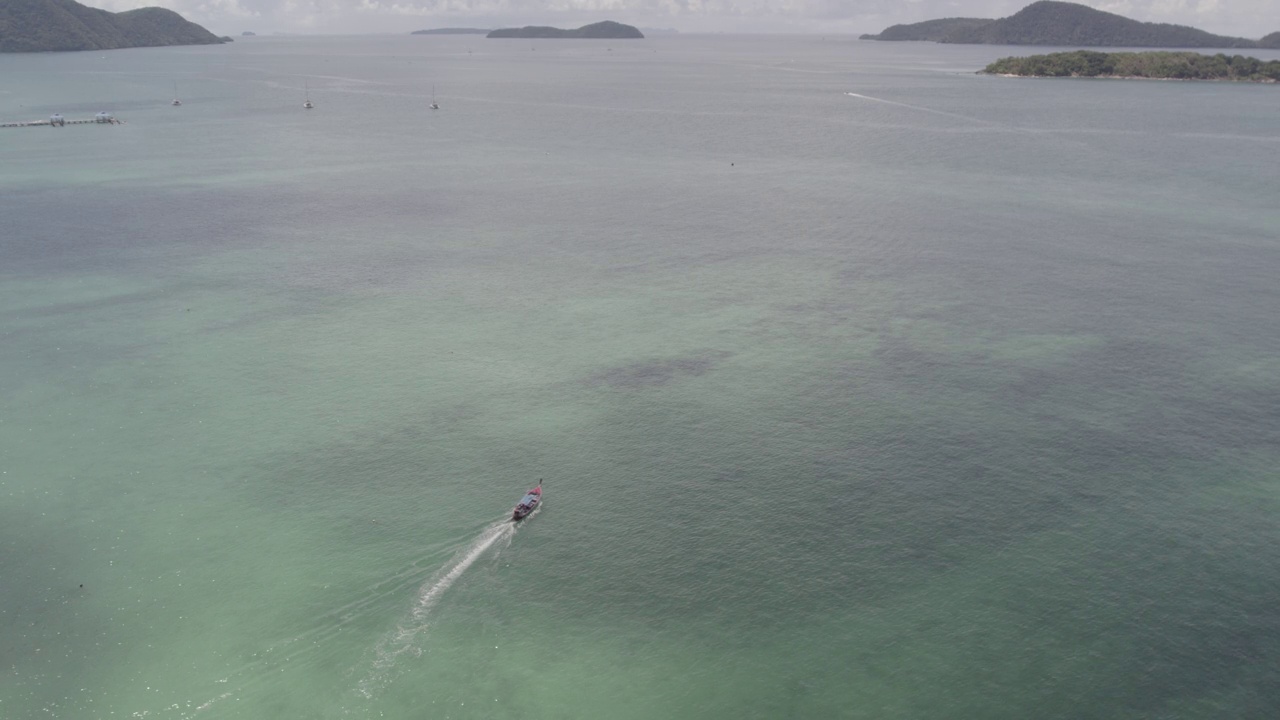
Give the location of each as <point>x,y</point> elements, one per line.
<point>176,102</point>
<point>434,106</point>
<point>307,89</point>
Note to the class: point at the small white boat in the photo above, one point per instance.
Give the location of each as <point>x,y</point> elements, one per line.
<point>307,103</point>
<point>176,102</point>
<point>434,106</point>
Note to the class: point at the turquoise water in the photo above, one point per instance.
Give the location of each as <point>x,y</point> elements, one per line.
<point>863,386</point>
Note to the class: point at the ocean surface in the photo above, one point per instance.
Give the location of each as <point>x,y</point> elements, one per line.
<point>863,386</point>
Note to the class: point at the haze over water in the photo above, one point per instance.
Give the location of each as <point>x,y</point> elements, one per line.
<point>863,386</point>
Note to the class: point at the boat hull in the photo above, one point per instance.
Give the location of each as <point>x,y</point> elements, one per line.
<point>527,504</point>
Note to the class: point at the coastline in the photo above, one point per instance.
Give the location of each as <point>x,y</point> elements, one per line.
<point>1264,81</point>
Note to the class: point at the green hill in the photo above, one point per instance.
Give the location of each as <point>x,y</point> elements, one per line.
<point>933,30</point>
<point>1060,23</point>
<point>1154,64</point>
<point>1270,41</point>
<point>56,25</point>
<point>596,31</point>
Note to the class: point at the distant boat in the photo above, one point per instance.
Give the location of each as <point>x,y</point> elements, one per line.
<point>307,104</point>
<point>434,106</point>
<point>176,102</point>
<point>528,503</point>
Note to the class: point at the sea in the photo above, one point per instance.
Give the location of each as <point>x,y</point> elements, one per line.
<point>861,385</point>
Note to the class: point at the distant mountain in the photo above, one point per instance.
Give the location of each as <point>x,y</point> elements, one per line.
<point>1060,23</point>
<point>450,31</point>
<point>248,33</point>
<point>596,31</point>
<point>1270,41</point>
<point>58,25</point>
<point>934,30</point>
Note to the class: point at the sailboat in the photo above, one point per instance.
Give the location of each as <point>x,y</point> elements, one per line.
<point>434,106</point>
<point>307,104</point>
<point>176,102</point>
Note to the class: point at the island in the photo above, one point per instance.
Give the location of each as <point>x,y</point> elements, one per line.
<point>61,25</point>
<point>1271,41</point>
<point>249,33</point>
<point>451,31</point>
<point>607,30</point>
<point>930,30</point>
<point>1153,65</point>
<point>1061,23</point>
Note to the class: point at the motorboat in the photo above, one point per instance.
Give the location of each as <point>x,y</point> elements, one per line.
<point>528,503</point>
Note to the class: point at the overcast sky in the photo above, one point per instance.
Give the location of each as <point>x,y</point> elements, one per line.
<point>1248,18</point>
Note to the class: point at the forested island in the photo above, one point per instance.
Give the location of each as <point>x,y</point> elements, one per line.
<point>930,30</point>
<point>607,30</point>
<point>59,25</point>
<point>1155,65</point>
<point>451,31</point>
<point>1061,23</point>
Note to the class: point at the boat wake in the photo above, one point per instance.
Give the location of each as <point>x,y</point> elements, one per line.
<point>920,108</point>
<point>917,107</point>
<point>404,640</point>
<point>303,648</point>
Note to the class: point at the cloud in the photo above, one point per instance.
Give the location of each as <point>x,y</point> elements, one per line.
<point>1251,18</point>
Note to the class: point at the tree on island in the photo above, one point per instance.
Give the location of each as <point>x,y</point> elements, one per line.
<point>1154,65</point>
<point>60,25</point>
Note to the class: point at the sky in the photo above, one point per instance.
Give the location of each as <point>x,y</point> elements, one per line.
<point>1246,18</point>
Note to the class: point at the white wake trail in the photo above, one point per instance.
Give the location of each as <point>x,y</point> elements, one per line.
<point>404,638</point>
<point>432,591</point>
<point>920,108</point>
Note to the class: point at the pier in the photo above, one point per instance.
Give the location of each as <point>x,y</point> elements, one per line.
<point>101,118</point>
